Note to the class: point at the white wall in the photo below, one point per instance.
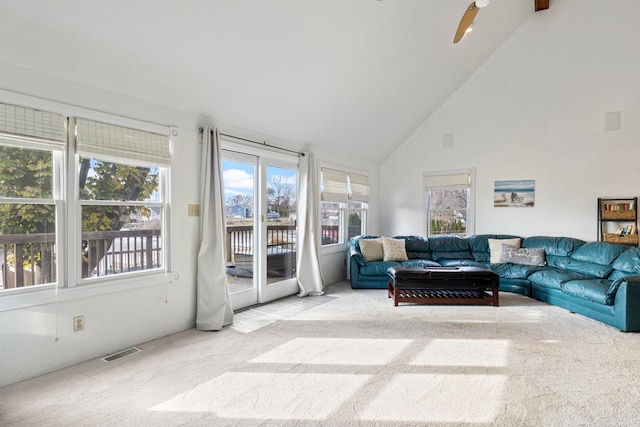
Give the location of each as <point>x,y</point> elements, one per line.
<point>113,321</point>
<point>535,110</point>
<point>40,339</point>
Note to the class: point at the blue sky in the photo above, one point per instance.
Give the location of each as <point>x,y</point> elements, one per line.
<point>239,177</point>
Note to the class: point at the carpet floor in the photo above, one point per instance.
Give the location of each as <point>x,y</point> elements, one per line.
<point>353,359</point>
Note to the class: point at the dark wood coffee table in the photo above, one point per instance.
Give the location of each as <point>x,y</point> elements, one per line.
<point>443,285</point>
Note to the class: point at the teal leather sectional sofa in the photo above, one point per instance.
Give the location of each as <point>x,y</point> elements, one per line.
<point>599,280</point>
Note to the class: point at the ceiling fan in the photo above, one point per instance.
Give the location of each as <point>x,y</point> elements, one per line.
<point>468,17</point>
<point>473,9</point>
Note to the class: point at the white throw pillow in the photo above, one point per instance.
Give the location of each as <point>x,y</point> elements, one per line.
<point>495,248</point>
<point>394,249</point>
<point>371,249</point>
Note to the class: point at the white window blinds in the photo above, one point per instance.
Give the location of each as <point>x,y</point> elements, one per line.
<point>334,186</point>
<point>16,120</point>
<point>459,180</point>
<point>117,142</point>
<point>359,185</point>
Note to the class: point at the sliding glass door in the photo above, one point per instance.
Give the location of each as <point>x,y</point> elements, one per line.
<point>261,215</point>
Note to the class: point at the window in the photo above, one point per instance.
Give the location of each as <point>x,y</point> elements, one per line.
<point>344,205</point>
<point>32,147</point>
<point>120,181</point>
<point>108,221</point>
<point>449,202</point>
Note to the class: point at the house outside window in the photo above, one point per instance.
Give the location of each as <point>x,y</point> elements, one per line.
<point>450,202</point>
<point>344,205</point>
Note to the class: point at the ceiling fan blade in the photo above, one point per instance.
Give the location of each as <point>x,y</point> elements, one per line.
<point>465,22</point>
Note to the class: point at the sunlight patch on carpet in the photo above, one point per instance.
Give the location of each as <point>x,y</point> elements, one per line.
<point>432,398</point>
<point>464,352</point>
<point>335,351</point>
<point>276,396</point>
<point>258,317</point>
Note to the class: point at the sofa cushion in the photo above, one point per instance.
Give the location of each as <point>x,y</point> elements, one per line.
<point>589,268</point>
<point>444,262</point>
<point>419,263</point>
<point>417,247</point>
<point>514,271</point>
<point>526,256</point>
<point>479,245</point>
<point>594,290</point>
<point>371,249</point>
<point>627,264</point>
<point>449,247</point>
<point>393,249</point>
<point>613,289</point>
<point>551,277</point>
<point>599,252</point>
<point>495,248</point>
<point>557,249</point>
<point>378,268</point>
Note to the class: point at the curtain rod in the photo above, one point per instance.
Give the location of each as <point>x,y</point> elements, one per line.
<point>263,143</point>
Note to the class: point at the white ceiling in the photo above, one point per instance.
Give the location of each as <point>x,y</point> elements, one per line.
<point>353,76</point>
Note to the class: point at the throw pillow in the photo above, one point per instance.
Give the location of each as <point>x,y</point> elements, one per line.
<point>393,249</point>
<point>371,249</point>
<point>524,256</point>
<point>495,248</point>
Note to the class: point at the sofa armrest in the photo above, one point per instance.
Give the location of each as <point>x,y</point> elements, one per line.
<point>627,305</point>
<point>356,255</point>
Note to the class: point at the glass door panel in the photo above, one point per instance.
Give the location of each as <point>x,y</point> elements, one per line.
<point>239,175</point>
<point>280,227</point>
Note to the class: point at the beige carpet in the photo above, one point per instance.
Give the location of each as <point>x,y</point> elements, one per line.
<point>355,360</point>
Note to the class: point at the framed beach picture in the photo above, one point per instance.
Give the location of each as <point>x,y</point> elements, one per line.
<point>517,193</point>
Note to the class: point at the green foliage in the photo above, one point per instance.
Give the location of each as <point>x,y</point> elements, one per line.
<point>444,226</point>
<point>117,182</point>
<point>354,218</point>
<point>28,174</point>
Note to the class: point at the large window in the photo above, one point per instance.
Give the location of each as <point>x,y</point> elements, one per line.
<point>108,220</point>
<point>449,203</point>
<point>32,145</point>
<point>344,205</point>
<point>120,177</point>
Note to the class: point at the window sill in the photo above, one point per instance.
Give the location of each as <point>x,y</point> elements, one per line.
<point>331,249</point>
<point>48,294</point>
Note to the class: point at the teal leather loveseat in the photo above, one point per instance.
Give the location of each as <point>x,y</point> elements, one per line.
<point>599,280</point>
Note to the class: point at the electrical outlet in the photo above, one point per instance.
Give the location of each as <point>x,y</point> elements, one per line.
<point>194,210</point>
<point>78,323</point>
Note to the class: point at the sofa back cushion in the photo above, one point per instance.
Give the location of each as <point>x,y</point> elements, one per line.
<point>595,258</point>
<point>557,249</point>
<point>479,245</point>
<point>417,247</point>
<point>627,264</point>
<point>449,247</point>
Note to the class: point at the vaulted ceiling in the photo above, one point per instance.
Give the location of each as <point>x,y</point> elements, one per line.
<point>353,76</point>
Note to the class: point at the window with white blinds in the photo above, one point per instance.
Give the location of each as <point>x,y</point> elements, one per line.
<point>122,177</point>
<point>456,180</point>
<point>359,185</point>
<point>23,121</point>
<point>344,205</point>
<point>117,142</point>
<point>450,202</point>
<point>334,186</point>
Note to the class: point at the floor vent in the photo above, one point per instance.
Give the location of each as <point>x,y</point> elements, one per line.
<point>121,354</point>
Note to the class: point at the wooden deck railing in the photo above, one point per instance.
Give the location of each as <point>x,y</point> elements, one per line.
<point>29,259</point>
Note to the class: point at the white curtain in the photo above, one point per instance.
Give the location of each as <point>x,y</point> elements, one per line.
<point>308,263</point>
<point>213,310</point>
